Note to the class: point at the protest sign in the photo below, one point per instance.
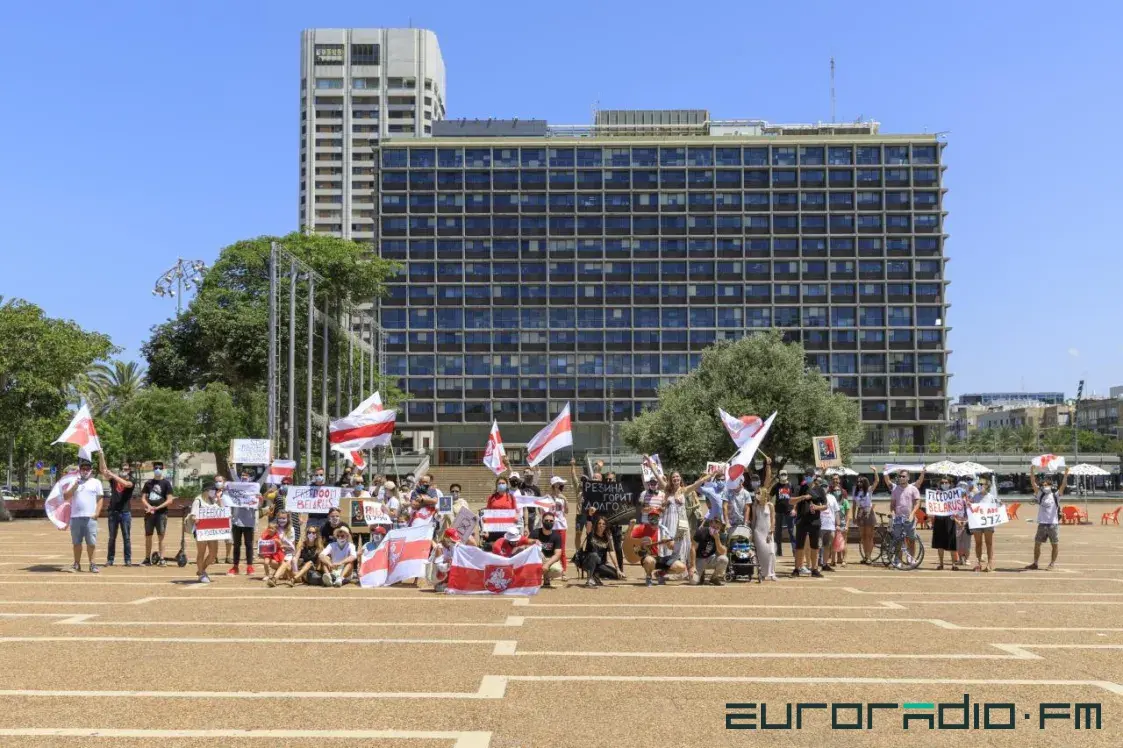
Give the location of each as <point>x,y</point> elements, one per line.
<point>942,503</point>
<point>827,453</point>
<point>717,467</point>
<point>374,513</point>
<point>444,504</point>
<point>212,522</point>
<point>465,522</point>
<point>986,516</point>
<point>251,451</point>
<point>313,499</point>
<point>612,499</point>
<point>652,469</point>
<point>243,495</point>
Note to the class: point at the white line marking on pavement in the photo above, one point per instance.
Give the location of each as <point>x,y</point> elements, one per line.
<point>1013,652</point>
<point>237,640</point>
<point>509,622</point>
<point>463,739</point>
<point>715,606</point>
<point>856,591</point>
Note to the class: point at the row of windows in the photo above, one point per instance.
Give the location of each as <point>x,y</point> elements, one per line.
<point>762,247</point>
<point>332,54</point>
<point>662,317</point>
<point>622,270</point>
<point>535,157</point>
<point>569,202</point>
<point>564,179</point>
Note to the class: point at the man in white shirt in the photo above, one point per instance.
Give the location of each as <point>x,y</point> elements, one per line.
<point>85,495</point>
<point>1048,514</point>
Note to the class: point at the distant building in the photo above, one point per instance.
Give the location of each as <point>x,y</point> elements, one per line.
<point>968,418</point>
<point>991,398</point>
<point>1100,415</point>
<point>1116,391</point>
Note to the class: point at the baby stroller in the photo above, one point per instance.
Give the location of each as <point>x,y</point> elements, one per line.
<point>742,555</point>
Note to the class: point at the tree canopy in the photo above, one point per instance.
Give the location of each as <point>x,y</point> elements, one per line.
<point>755,375</point>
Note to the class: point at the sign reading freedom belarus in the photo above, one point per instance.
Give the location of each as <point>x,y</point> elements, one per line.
<point>313,499</point>
<point>212,522</point>
<point>942,503</point>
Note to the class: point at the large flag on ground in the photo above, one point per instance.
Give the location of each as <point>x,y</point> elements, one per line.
<point>1049,463</point>
<point>744,456</point>
<point>58,508</point>
<point>557,435</point>
<point>495,456</point>
<point>81,431</point>
<point>474,571</point>
<point>363,431</point>
<point>499,520</point>
<point>740,429</point>
<point>278,471</point>
<point>403,554</point>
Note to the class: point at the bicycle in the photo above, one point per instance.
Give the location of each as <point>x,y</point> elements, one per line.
<point>881,533</point>
<point>910,559</point>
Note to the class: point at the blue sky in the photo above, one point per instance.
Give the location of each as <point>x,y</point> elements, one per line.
<point>136,132</point>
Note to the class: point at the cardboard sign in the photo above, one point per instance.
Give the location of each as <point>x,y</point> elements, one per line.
<point>986,516</point>
<point>654,470</point>
<point>612,499</point>
<point>243,495</point>
<point>374,513</point>
<point>465,522</point>
<point>943,503</point>
<point>212,522</point>
<point>313,499</point>
<point>444,504</point>
<point>827,452</point>
<point>717,467</point>
<point>251,451</point>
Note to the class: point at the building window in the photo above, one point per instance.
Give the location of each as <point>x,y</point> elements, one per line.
<point>329,83</point>
<point>364,54</point>
<point>329,54</point>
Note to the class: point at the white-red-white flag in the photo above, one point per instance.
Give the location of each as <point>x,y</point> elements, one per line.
<point>403,554</point>
<point>740,429</point>
<point>372,404</point>
<point>499,520</point>
<point>1049,463</point>
<point>58,508</point>
<point>278,471</point>
<point>353,433</point>
<point>745,454</point>
<point>555,436</point>
<point>354,456</point>
<point>81,431</point>
<point>530,501</point>
<point>474,571</point>
<point>495,456</point>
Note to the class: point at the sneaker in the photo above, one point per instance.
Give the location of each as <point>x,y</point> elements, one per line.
<point>804,571</point>
<point>94,569</point>
<point>661,579</point>
<point>270,582</point>
<point>204,579</point>
<point>109,563</point>
<point>717,582</point>
<point>325,580</point>
<point>338,581</point>
<point>75,568</point>
<point>249,570</point>
<point>1032,567</point>
<point>229,560</point>
<point>772,578</point>
<point>650,582</point>
<point>129,563</point>
<point>896,564</point>
<point>1050,567</point>
<point>289,582</point>
<point>795,572</point>
<point>546,584</point>
<point>146,562</point>
<point>598,581</point>
<point>233,571</point>
<point>826,567</point>
<point>163,562</point>
<point>154,559</point>
<point>816,573</point>
<point>590,584</point>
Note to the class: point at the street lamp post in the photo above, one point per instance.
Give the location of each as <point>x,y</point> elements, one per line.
<point>184,273</point>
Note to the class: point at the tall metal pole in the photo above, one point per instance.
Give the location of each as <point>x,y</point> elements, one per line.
<point>308,370</point>
<point>350,363</point>
<point>294,450</point>
<point>272,367</point>
<point>324,393</point>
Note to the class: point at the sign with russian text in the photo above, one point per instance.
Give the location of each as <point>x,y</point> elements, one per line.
<point>612,499</point>
<point>251,451</point>
<point>241,495</point>
<point>212,522</point>
<point>986,516</point>
<point>943,503</point>
<point>313,499</point>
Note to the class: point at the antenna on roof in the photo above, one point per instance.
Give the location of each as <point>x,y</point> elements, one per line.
<point>832,89</point>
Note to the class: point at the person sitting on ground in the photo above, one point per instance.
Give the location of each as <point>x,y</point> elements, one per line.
<point>597,558</point>
<point>339,558</point>
<point>1048,516</point>
<point>308,562</point>
<point>511,542</point>
<point>440,561</point>
<point>280,567</point>
<point>550,541</point>
<point>656,548</point>
<point>710,552</point>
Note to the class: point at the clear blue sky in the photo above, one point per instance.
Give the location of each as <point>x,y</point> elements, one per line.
<point>136,132</point>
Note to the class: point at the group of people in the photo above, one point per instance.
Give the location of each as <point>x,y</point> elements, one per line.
<point>681,532</point>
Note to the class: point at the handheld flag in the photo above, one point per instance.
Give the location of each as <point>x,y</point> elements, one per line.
<point>279,470</point>
<point>81,431</point>
<point>372,404</point>
<point>353,433</point>
<point>740,429</point>
<point>58,508</point>
<point>1049,463</point>
<point>495,456</point>
<point>744,456</point>
<point>555,436</point>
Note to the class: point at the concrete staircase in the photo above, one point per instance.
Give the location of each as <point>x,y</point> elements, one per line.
<point>477,481</point>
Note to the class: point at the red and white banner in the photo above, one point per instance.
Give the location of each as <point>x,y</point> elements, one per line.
<point>279,470</point>
<point>744,456</point>
<point>530,501</point>
<point>403,554</point>
<point>353,433</point>
<point>474,571</point>
<point>58,508</point>
<point>81,431</point>
<point>372,404</point>
<point>212,522</point>
<point>495,456</point>
<point>740,429</point>
<point>1049,463</point>
<point>500,520</point>
<point>557,435</point>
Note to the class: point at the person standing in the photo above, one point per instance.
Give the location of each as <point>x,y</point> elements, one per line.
<point>86,497</point>
<point>206,551</point>
<point>782,496</point>
<point>762,520</point>
<point>156,495</point>
<point>243,521</point>
<point>827,525</point>
<point>652,499</point>
<point>864,517</point>
<point>120,514</point>
<point>842,526</point>
<point>944,533</point>
<point>737,501</point>
<point>1048,515</point>
<point>903,503</point>
<point>561,512</point>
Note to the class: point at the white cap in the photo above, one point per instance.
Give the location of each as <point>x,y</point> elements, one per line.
<point>513,534</point>
<point>513,474</point>
<point>556,480</point>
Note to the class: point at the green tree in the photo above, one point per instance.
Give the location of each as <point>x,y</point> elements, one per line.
<point>111,385</point>
<point>153,424</point>
<point>758,374</point>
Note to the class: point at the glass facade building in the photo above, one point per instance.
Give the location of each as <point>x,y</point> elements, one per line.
<point>537,271</point>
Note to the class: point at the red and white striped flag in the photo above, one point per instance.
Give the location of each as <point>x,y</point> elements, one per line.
<point>495,456</point>
<point>744,456</point>
<point>499,520</point>
<point>58,508</point>
<point>403,554</point>
<point>278,471</point>
<point>557,435</point>
<point>353,433</point>
<point>1049,463</point>
<point>474,571</point>
<point>530,501</point>
<point>740,429</point>
<point>372,404</point>
<point>81,431</point>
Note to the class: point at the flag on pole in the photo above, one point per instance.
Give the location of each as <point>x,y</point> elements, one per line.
<point>744,456</point>
<point>499,520</point>
<point>81,431</point>
<point>353,433</point>
<point>740,429</point>
<point>354,456</point>
<point>477,572</point>
<point>555,436</point>
<point>1049,463</point>
<point>278,471</point>
<point>372,404</point>
<point>402,555</point>
<point>495,456</point>
<point>58,508</point>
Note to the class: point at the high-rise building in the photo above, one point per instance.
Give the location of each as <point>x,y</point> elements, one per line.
<point>356,87</point>
<point>591,264</point>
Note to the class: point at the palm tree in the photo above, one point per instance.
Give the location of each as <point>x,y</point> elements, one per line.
<point>109,386</point>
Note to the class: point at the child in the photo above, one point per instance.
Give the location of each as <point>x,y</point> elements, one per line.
<point>308,556</point>
<point>338,558</point>
<point>269,549</point>
<point>962,531</point>
<point>441,559</point>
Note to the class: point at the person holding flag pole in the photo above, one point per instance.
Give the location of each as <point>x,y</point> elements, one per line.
<point>85,493</point>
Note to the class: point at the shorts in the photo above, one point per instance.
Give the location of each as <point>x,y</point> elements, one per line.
<point>826,539</point>
<point>83,529</point>
<point>902,528</point>
<point>1047,532</point>
<point>664,563</point>
<point>581,520</point>
<point>866,518</point>
<point>803,532</point>
<point>156,522</point>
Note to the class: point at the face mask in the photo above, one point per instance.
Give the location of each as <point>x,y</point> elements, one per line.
<point>155,473</point>
<point>547,525</point>
<point>455,493</point>
<point>945,486</point>
<point>312,536</point>
<point>341,541</point>
<point>501,487</point>
<point>317,479</point>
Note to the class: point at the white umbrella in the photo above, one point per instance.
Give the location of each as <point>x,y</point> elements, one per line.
<point>943,467</point>
<point>841,471</point>
<point>972,468</point>
<point>1086,469</point>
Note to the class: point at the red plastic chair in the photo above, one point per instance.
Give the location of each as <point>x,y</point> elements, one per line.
<point>921,519</point>
<point>1111,518</point>
<point>1012,510</point>
<point>1071,515</point>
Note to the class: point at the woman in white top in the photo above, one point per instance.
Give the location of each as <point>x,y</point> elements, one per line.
<point>864,517</point>
<point>206,551</point>
<point>561,511</point>
<point>678,505</point>
<point>984,536</point>
<point>762,520</point>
